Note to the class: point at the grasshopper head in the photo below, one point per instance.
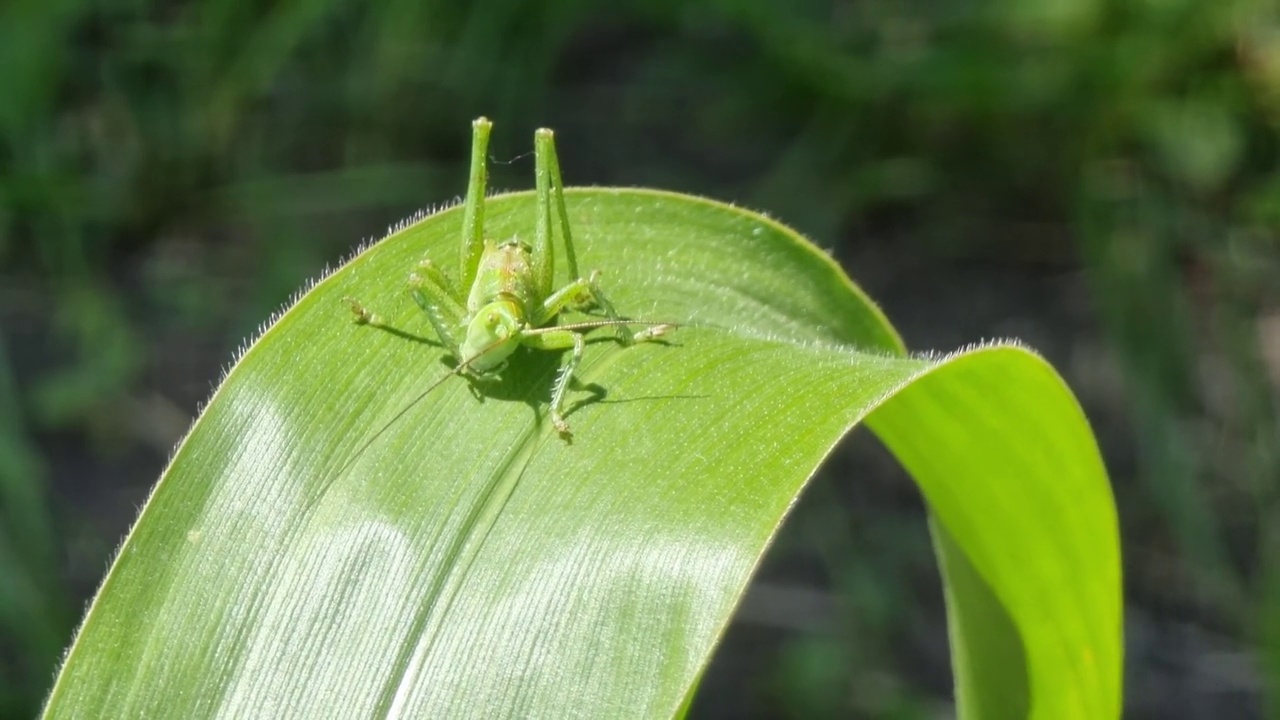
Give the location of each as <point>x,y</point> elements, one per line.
<point>494,333</point>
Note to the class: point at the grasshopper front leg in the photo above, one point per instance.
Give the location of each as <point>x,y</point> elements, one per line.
<point>579,293</point>
<point>431,291</point>
<point>556,339</point>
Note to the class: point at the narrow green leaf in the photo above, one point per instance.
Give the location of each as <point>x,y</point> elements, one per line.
<point>325,545</point>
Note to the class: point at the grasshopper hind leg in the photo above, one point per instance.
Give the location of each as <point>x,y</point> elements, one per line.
<point>473,210</point>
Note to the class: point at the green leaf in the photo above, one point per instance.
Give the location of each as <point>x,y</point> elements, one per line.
<point>324,544</point>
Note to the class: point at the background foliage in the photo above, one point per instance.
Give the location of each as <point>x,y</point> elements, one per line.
<point>1095,176</point>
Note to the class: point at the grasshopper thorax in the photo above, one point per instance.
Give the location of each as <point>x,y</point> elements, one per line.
<point>505,272</point>
<point>493,334</point>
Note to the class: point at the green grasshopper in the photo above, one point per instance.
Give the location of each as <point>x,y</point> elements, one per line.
<point>510,297</point>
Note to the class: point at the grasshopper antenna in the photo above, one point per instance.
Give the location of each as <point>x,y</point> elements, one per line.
<point>458,370</point>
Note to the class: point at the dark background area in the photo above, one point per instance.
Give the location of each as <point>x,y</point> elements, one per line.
<point>1096,177</point>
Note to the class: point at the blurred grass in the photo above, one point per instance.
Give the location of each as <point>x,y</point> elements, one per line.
<point>171,171</point>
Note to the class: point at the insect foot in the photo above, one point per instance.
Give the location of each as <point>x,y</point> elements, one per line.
<point>653,333</point>
<point>363,316</point>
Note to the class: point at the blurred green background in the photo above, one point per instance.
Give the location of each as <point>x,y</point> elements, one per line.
<point>1096,177</point>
